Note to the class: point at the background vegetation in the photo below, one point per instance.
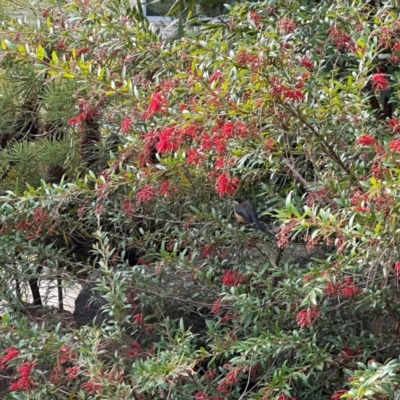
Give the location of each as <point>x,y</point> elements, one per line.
<point>120,156</point>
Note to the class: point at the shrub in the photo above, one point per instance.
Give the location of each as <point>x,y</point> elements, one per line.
<point>291,104</point>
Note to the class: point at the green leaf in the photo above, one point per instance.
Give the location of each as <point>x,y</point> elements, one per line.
<point>54,56</point>
<point>40,52</point>
<point>10,45</point>
<point>68,75</point>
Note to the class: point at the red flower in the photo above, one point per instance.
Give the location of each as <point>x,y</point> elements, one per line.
<point>232,278</point>
<point>206,141</point>
<point>9,355</point>
<point>394,125</point>
<point>200,396</point>
<point>166,141</point>
<point>338,394</point>
<point>348,289</point>
<point>71,373</point>
<point>216,308</point>
<point>227,130</point>
<point>134,349</point>
<point>195,157</point>
<point>360,208</point>
<point>145,194</point>
<point>255,18</point>
<point>305,318</point>
<point>396,47</point>
<point>166,188</point>
<point>397,268</point>
<point>126,125</point>
<point>76,120</point>
<point>90,387</point>
<point>82,50</point>
<point>286,25</point>
<point>220,163</point>
<point>365,140</point>
<point>207,251</point>
<point>87,112</point>
<point>157,104</point>
<point>220,144</point>
<point>394,145</point>
<point>24,381</point>
<point>331,289</point>
<point>216,75</point>
<point>379,82</point>
<point>225,185</point>
<point>269,143</point>
<point>276,87</point>
<point>189,132</point>
<point>138,319</point>
<point>293,94</point>
<point>127,206</point>
<point>210,374</point>
<point>65,354</point>
<point>341,39</point>
<point>306,63</point>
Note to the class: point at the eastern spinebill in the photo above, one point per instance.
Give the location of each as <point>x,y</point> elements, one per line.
<point>245,213</point>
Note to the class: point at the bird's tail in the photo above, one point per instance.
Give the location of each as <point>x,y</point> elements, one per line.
<point>260,226</point>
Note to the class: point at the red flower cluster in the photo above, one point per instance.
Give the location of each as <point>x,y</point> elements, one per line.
<point>278,89</point>
<point>157,104</point>
<point>127,206</point>
<point>207,251</point>
<point>72,372</point>
<point>91,387</point>
<point>318,196</point>
<point>24,381</point>
<point>216,308</point>
<point>286,25</point>
<point>167,141</point>
<point>145,194</point>
<point>232,278</point>
<point>379,82</point>
<point>305,318</point>
<point>284,397</point>
<point>225,185</point>
<point>365,140</point>
<point>126,125</point>
<point>306,63</point>
<point>341,39</point>
<point>293,94</point>
<point>346,289</point>
<point>397,268</point>
<point>9,355</point>
<point>138,319</point>
<point>394,125</point>
<point>134,349</point>
<point>200,396</point>
<point>283,233</point>
<point>166,188</point>
<point>252,61</point>
<point>338,394</point>
<point>255,17</point>
<point>216,76</point>
<point>65,354</point>
<point>195,157</point>
<point>87,112</point>
<point>394,145</point>
<point>230,379</point>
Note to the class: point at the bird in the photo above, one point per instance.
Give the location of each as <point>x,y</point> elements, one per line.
<point>245,213</point>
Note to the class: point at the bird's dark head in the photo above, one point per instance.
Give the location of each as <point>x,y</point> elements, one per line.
<point>240,200</point>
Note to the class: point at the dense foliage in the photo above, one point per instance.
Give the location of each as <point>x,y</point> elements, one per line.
<point>120,156</point>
